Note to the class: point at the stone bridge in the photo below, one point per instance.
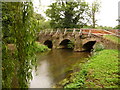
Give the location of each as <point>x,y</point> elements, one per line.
<point>81,39</point>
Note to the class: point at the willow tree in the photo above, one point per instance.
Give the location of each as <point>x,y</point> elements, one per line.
<point>17,18</point>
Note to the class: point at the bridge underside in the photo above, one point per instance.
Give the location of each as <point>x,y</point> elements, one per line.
<point>66,44</point>
<point>89,45</point>
<point>48,43</point>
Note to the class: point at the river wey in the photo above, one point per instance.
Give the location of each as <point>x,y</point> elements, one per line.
<point>53,66</point>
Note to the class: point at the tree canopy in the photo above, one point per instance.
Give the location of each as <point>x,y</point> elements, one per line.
<point>65,14</point>
<point>40,22</point>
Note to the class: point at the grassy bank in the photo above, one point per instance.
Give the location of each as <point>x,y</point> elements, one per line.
<point>101,71</point>
<point>112,38</point>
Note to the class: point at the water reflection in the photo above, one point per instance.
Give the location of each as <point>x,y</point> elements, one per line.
<point>41,78</point>
<point>53,67</point>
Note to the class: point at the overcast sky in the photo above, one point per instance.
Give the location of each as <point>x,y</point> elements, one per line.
<point>107,16</point>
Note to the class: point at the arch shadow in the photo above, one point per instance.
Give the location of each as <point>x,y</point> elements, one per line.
<point>66,44</point>
<point>48,43</point>
<point>89,45</point>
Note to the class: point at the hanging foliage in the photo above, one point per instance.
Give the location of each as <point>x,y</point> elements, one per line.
<point>21,26</point>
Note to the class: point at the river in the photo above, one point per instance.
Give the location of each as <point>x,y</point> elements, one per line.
<point>53,66</point>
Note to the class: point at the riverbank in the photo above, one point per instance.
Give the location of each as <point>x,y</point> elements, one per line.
<point>101,71</point>
<point>37,47</point>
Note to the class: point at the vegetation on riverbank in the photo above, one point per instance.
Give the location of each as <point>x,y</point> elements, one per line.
<point>101,71</point>
<point>40,48</point>
<point>112,38</point>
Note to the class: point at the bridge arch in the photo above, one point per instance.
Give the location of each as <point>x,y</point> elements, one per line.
<point>66,43</point>
<point>48,43</point>
<point>88,45</point>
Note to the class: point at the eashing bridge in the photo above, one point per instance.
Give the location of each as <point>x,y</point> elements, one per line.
<point>82,39</point>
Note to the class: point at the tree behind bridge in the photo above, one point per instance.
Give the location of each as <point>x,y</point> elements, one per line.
<point>65,14</point>
<point>95,8</point>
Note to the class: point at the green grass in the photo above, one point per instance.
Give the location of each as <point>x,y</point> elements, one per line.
<point>101,71</point>
<point>112,38</point>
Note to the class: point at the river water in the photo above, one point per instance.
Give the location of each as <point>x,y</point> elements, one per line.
<point>53,66</point>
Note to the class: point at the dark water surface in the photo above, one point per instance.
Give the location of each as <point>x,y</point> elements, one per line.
<point>53,66</point>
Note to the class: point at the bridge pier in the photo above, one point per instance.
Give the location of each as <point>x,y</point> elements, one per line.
<point>56,41</point>
<point>78,43</point>
<point>55,44</point>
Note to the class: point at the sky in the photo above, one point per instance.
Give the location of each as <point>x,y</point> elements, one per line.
<point>107,16</point>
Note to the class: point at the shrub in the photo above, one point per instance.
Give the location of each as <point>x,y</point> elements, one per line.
<point>40,48</point>
<point>70,45</point>
<point>98,47</point>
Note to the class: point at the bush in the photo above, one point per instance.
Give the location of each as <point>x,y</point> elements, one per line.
<point>98,47</point>
<point>40,48</point>
<point>70,45</point>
